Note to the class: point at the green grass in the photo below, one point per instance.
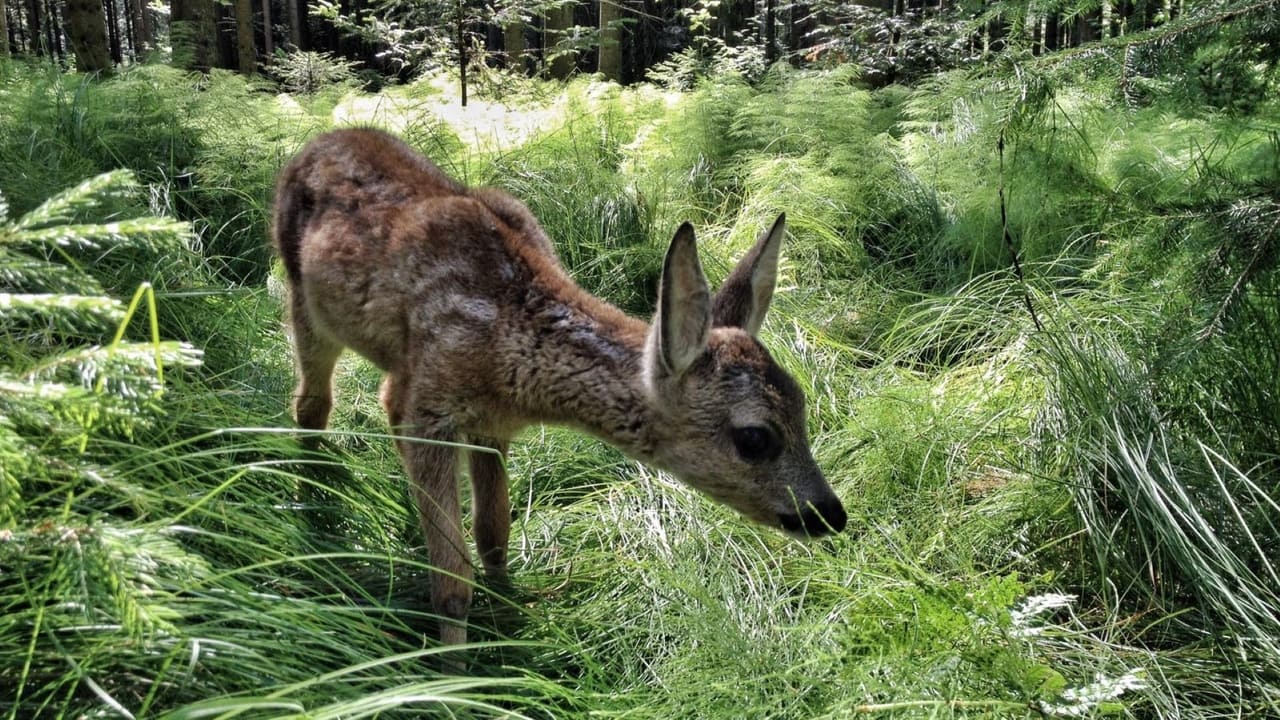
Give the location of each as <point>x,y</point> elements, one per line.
<point>1077,520</point>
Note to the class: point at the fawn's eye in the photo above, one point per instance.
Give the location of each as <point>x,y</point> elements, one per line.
<point>756,444</point>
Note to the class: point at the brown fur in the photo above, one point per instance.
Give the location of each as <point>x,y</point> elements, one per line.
<point>457,295</point>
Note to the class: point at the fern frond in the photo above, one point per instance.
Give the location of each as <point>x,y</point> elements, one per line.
<point>22,273</point>
<point>124,370</point>
<point>80,312</point>
<point>89,195</point>
<point>16,458</point>
<point>146,232</point>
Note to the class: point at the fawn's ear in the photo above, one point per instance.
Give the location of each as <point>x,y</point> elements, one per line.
<point>683,320</point>
<point>743,299</point>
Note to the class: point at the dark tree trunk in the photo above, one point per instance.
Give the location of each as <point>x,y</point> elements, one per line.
<point>4,29</point>
<point>54,20</point>
<point>194,34</point>
<point>141,20</point>
<point>113,31</point>
<point>770,33</point>
<point>1082,30</point>
<point>87,31</point>
<point>297,25</point>
<point>1051,32</point>
<point>801,26</point>
<point>462,51</point>
<point>34,21</point>
<point>513,45</point>
<point>268,42</point>
<point>227,53</point>
<point>246,51</point>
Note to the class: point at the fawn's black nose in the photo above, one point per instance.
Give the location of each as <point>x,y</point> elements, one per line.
<point>817,519</point>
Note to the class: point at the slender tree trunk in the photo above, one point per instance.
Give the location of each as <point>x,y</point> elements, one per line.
<point>113,31</point>
<point>194,34</point>
<point>34,21</point>
<point>4,29</point>
<point>246,52</point>
<point>770,33</point>
<point>800,22</point>
<point>87,30</point>
<point>1051,32</point>
<point>268,42</point>
<point>558,20</point>
<point>296,21</point>
<point>54,20</point>
<point>610,54</point>
<point>1082,31</point>
<point>462,51</point>
<point>513,45</point>
<point>142,34</point>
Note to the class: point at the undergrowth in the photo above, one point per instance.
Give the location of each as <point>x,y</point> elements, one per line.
<point>1061,479</point>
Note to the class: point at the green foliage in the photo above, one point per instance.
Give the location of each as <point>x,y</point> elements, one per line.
<point>603,225</point>
<point>1063,514</point>
<point>306,72</point>
<point>208,145</point>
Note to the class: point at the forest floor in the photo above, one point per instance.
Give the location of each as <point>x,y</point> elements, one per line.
<point>1060,474</point>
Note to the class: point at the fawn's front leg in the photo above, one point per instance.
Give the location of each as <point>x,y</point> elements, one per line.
<point>491,507</point>
<point>432,471</point>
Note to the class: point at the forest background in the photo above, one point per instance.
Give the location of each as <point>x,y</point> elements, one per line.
<point>1030,289</point>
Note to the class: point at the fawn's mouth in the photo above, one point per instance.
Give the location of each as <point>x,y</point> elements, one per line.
<point>825,518</point>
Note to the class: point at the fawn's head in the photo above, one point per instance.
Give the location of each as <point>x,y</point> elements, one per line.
<point>733,421</point>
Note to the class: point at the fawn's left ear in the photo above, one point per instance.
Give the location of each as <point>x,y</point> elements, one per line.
<point>743,299</point>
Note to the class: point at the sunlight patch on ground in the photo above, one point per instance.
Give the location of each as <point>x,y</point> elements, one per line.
<point>482,124</point>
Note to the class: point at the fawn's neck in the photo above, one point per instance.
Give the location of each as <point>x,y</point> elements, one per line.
<point>584,368</point>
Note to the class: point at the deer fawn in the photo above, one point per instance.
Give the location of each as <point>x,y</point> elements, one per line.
<point>456,293</point>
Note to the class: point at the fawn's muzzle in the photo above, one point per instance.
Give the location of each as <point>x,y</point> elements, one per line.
<point>816,520</point>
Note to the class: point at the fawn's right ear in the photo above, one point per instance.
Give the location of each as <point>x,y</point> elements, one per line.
<point>683,320</point>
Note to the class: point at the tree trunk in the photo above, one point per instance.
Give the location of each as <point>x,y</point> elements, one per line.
<point>87,30</point>
<point>1082,31</point>
<point>610,54</point>
<point>297,35</point>
<point>557,21</point>
<point>770,33</point>
<point>268,44</point>
<point>1052,32</point>
<point>246,51</point>
<point>54,18</point>
<point>33,27</point>
<point>194,34</point>
<point>113,32</point>
<point>462,52</point>
<point>226,51</point>
<point>142,34</point>
<point>4,29</point>
<point>513,45</point>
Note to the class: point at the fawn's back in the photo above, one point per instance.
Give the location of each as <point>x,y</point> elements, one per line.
<point>420,274</point>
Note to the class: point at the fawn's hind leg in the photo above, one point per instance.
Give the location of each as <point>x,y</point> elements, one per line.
<point>491,507</point>
<point>316,355</point>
